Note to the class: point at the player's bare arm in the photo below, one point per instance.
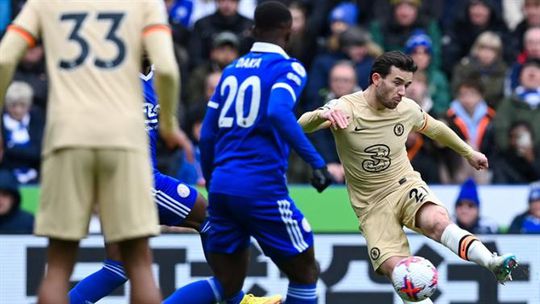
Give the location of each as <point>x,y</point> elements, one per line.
<point>441,133</point>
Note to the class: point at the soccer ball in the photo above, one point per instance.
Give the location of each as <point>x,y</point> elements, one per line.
<point>415,278</point>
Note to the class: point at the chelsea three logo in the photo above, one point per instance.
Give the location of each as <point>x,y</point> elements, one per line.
<point>151,112</point>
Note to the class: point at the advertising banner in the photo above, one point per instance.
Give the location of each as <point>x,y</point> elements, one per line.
<point>346,274</point>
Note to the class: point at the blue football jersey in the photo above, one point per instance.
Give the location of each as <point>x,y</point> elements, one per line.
<point>151,112</point>
<point>249,156</point>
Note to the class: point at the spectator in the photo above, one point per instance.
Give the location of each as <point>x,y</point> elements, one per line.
<point>468,211</point>
<point>531,44</point>
<point>420,47</point>
<point>480,16</point>
<point>425,155</point>
<point>342,81</point>
<point>225,48</point>
<point>31,70</point>
<point>226,18</point>
<point>484,61</point>
<point>531,14</point>
<point>341,18</point>
<point>392,34</point>
<point>529,221</point>
<point>303,39</point>
<point>12,218</point>
<point>22,133</point>
<point>472,119</point>
<point>354,46</point>
<point>520,162</point>
<point>523,105</point>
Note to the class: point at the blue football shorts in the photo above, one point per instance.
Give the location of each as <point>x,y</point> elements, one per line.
<point>278,226</point>
<point>173,198</point>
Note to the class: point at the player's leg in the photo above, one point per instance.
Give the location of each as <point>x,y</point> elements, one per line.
<point>60,260</point>
<point>64,215</point>
<point>178,204</point>
<point>137,259</point>
<point>129,216</point>
<point>285,235</point>
<point>228,243</point>
<point>102,282</point>
<point>174,200</point>
<point>435,222</point>
<point>388,246</point>
<point>424,213</point>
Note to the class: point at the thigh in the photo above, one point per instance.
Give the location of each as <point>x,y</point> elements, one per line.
<point>413,197</point>
<point>383,231</point>
<point>280,228</point>
<point>173,198</point>
<point>67,194</point>
<point>124,196</point>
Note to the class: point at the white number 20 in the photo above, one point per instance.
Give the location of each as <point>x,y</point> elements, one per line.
<point>237,93</point>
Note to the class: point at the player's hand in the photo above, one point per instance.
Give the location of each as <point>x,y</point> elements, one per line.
<point>337,118</point>
<point>177,138</point>
<point>478,161</point>
<point>321,179</point>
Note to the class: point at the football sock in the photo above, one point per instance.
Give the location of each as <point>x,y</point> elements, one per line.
<point>466,245</point>
<point>426,301</point>
<point>236,299</point>
<point>199,292</point>
<point>301,294</point>
<point>99,284</point>
<point>203,291</point>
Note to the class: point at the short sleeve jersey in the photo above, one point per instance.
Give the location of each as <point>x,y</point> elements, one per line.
<point>93,52</point>
<point>372,148</point>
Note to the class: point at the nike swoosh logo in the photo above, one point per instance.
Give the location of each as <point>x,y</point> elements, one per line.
<point>358,129</point>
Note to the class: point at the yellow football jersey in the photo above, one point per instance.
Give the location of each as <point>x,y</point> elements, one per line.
<point>93,53</point>
<point>372,148</point>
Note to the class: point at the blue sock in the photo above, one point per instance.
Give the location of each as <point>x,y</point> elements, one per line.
<point>99,284</point>
<point>236,299</point>
<point>199,292</point>
<point>301,294</point>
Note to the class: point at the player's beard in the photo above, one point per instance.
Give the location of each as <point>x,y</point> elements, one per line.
<point>384,95</point>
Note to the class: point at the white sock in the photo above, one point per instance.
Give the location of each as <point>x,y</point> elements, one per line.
<point>426,301</point>
<point>466,245</point>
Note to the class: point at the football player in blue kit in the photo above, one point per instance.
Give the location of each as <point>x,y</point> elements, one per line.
<point>245,139</point>
<point>178,204</point>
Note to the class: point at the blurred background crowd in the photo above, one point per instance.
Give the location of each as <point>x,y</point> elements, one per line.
<point>478,70</point>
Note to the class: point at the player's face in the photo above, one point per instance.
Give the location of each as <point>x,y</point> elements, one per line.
<point>390,90</point>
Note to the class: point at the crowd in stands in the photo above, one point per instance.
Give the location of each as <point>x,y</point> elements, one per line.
<point>478,71</point>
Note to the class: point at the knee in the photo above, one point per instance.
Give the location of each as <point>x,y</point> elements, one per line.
<point>433,219</point>
<point>307,273</point>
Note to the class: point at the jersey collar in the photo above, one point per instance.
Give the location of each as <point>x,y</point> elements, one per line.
<point>265,47</point>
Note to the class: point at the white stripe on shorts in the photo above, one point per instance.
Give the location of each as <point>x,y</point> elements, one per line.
<point>173,201</point>
<point>291,225</point>
<point>170,206</point>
